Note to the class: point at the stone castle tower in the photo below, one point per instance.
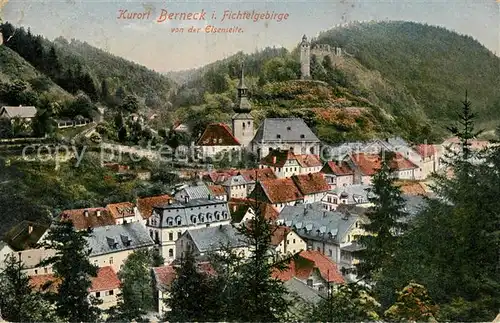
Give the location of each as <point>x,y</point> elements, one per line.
<point>305,59</point>
<point>243,129</point>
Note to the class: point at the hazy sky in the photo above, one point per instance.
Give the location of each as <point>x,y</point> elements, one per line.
<point>154,45</point>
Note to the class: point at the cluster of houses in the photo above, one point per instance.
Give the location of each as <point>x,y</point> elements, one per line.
<point>316,208</point>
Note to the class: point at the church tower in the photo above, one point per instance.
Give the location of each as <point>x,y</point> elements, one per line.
<point>305,59</point>
<point>242,120</point>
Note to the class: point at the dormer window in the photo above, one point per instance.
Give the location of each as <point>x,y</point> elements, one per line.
<point>209,217</point>
<point>278,136</point>
<point>224,215</point>
<point>193,218</point>
<point>289,128</point>
<point>201,217</point>
<point>170,221</point>
<point>215,141</point>
<point>178,220</point>
<point>217,215</point>
<point>302,136</point>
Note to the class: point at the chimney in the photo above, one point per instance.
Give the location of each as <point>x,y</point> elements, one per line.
<point>98,213</point>
<point>209,196</point>
<point>30,229</point>
<point>274,159</point>
<point>86,213</point>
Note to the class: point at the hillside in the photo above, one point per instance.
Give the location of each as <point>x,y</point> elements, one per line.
<point>408,78</point>
<point>432,65</point>
<point>13,67</point>
<point>77,66</point>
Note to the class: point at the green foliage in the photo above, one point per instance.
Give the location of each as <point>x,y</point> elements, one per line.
<point>136,297</point>
<point>18,303</point>
<point>72,267</point>
<point>452,245</point>
<point>191,294</point>
<point>130,104</point>
<point>413,304</point>
<point>434,65</point>
<point>348,303</point>
<point>384,221</point>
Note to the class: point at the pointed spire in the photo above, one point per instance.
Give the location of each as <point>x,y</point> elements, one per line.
<point>241,85</point>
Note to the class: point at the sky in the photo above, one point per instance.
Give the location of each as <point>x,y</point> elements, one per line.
<point>153,44</point>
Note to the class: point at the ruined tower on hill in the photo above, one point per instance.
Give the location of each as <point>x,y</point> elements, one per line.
<point>305,59</point>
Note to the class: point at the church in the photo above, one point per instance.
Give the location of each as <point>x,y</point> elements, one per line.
<point>273,134</point>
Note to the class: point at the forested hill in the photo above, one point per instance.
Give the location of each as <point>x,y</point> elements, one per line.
<point>434,65</point>
<point>410,78</point>
<point>79,67</point>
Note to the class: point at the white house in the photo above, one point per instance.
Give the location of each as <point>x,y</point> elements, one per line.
<point>338,174</point>
<point>313,186</point>
<point>236,187</point>
<point>111,245</point>
<point>282,162</point>
<point>356,194</point>
<point>204,241</point>
<point>26,113</point>
<point>169,221</point>
<point>217,138</point>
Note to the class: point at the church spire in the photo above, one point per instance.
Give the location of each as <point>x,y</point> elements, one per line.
<point>243,105</point>
<point>241,84</point>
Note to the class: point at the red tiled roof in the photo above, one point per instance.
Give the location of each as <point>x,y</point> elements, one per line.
<point>165,275</point>
<point>81,222</point>
<point>412,188</point>
<point>106,279</point>
<point>44,283</point>
<point>308,160</point>
<point>279,234</point>
<point>426,150</point>
<point>216,190</point>
<point>262,174</point>
<point>239,207</point>
<point>280,190</point>
<point>277,158</point>
<point>311,183</point>
<point>217,134</point>
<point>307,261</point>
<point>369,164</point>
<point>146,204</point>
<point>339,170</point>
<point>119,210</point>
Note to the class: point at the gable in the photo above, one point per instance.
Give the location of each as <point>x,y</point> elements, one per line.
<point>217,134</point>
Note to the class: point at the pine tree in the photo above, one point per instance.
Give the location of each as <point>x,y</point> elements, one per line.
<point>349,303</point>
<point>261,297</point>
<point>18,302</point>
<point>72,267</point>
<point>104,90</point>
<point>189,294</point>
<point>136,295</point>
<point>385,221</point>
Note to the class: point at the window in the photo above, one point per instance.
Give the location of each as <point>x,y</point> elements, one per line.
<point>157,237</point>
<point>111,292</point>
<point>151,233</point>
<point>270,149</point>
<point>278,136</point>
<point>293,240</point>
<point>45,270</point>
<point>310,282</point>
<point>312,150</point>
<point>170,253</point>
<point>170,236</point>
<point>243,125</point>
<point>179,234</point>
<point>302,136</point>
<point>36,272</point>
<point>97,294</point>
<point>288,242</point>
<point>95,262</point>
<point>330,253</point>
<point>110,260</point>
<point>288,128</point>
